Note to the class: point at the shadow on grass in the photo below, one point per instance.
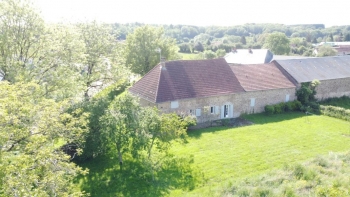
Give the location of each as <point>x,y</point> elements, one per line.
<point>261,118</point>
<point>106,179</point>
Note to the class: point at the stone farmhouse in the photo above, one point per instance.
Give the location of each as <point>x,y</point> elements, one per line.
<point>332,72</point>
<point>214,89</point>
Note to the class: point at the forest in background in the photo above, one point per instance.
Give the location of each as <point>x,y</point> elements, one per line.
<point>198,38</point>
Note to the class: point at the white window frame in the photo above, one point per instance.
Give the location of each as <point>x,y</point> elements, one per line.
<point>174,104</point>
<point>252,102</point>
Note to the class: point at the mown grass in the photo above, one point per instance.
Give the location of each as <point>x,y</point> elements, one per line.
<point>190,56</point>
<point>215,158</point>
<point>226,155</point>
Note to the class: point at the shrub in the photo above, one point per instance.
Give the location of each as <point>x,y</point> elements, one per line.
<point>278,109</point>
<point>288,106</point>
<point>269,109</point>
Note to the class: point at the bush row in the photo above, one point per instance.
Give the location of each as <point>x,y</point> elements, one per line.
<point>336,112</point>
<point>283,107</point>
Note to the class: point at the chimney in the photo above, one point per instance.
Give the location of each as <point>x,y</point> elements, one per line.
<point>162,63</point>
<point>250,51</point>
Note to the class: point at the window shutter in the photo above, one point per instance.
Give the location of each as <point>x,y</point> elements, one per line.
<point>217,111</point>
<point>287,97</point>
<point>252,102</point>
<point>222,112</point>
<point>198,112</point>
<point>230,111</point>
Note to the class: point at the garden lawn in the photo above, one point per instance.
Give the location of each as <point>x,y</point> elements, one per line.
<point>225,155</point>
<point>189,56</point>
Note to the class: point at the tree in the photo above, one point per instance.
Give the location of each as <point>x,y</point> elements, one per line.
<point>278,43</point>
<point>141,48</point>
<point>347,37</point>
<point>198,46</point>
<point>220,53</point>
<point>32,129</point>
<point>326,50</point>
<point>103,63</point>
<point>209,54</point>
<point>121,124</point>
<point>243,40</point>
<point>158,131</point>
<point>32,51</point>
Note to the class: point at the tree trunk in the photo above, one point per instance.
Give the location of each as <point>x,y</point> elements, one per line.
<point>120,158</point>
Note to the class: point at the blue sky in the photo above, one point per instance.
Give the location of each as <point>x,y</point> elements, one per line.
<point>197,12</point>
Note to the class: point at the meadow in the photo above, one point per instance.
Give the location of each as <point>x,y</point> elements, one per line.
<point>216,158</point>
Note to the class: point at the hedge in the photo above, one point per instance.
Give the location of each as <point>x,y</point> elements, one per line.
<point>336,112</point>
<point>283,107</point>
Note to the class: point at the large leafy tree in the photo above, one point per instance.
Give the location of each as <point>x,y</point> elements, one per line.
<point>278,43</point>
<point>103,63</point>
<point>325,50</point>
<point>120,124</point>
<point>142,48</point>
<point>33,51</point>
<point>32,130</point>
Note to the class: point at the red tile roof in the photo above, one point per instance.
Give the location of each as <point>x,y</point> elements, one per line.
<point>183,79</point>
<point>255,77</point>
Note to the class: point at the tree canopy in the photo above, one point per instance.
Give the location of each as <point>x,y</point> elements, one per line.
<point>144,47</point>
<point>278,43</point>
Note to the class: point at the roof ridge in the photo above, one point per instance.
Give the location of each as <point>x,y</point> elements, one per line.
<point>158,82</point>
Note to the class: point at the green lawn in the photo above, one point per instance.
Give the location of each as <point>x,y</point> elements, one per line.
<point>190,56</point>
<point>227,155</point>
<point>214,158</point>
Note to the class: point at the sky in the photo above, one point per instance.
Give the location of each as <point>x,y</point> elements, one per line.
<point>197,12</point>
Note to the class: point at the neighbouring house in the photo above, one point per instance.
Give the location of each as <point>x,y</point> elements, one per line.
<point>249,56</point>
<point>212,89</point>
<point>342,48</point>
<point>332,72</point>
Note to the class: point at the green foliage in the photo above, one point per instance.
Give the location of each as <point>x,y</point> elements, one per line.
<point>283,107</point>
<point>326,50</point>
<point>209,54</point>
<point>336,112</point>
<point>306,95</point>
<point>220,53</point>
<point>307,179</point>
<point>103,62</point>
<point>278,43</point>
<point>141,48</point>
<point>343,101</point>
<point>269,109</point>
<point>32,129</point>
<point>95,142</point>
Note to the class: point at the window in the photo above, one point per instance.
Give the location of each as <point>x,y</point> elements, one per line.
<point>212,110</point>
<point>198,112</point>
<point>226,107</point>
<point>287,97</point>
<point>191,112</point>
<point>252,102</point>
<point>174,104</point>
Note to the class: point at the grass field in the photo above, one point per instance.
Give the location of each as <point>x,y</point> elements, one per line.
<point>214,158</point>
<point>190,56</point>
<point>227,155</point>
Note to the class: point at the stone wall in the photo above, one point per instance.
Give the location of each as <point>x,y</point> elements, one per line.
<point>241,103</point>
<point>333,88</point>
